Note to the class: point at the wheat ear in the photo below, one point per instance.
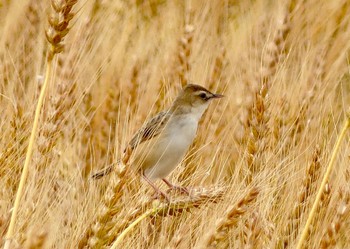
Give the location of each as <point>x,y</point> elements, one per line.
<point>58,29</point>
<point>231,218</point>
<point>185,46</point>
<point>324,181</point>
<point>293,221</point>
<point>36,240</point>
<point>175,207</point>
<point>331,236</point>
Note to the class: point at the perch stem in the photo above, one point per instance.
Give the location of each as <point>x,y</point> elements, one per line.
<point>323,183</point>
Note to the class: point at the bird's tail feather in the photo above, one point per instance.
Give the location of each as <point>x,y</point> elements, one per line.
<point>103,172</point>
<point>107,170</point>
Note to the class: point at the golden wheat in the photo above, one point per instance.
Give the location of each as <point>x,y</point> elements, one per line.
<point>88,74</point>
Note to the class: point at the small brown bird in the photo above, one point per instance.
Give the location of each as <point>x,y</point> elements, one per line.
<point>160,145</point>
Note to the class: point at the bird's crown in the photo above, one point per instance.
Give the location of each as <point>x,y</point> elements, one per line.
<point>199,92</point>
<point>193,96</point>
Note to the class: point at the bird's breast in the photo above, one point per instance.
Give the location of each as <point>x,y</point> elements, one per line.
<point>159,156</point>
<point>183,129</point>
<point>177,138</point>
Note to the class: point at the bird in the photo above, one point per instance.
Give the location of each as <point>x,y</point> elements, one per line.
<point>162,142</point>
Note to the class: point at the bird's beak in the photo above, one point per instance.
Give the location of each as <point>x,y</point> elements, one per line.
<point>217,96</point>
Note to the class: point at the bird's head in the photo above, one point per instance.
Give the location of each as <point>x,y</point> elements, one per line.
<point>194,98</point>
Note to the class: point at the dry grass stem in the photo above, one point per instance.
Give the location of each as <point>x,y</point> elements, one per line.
<point>27,161</point>
<point>324,182</point>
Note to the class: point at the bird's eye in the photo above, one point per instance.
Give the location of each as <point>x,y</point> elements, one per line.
<point>203,96</point>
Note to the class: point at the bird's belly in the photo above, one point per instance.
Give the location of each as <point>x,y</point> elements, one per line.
<point>170,150</point>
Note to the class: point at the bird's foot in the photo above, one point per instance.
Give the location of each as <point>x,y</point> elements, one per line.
<point>180,189</point>
<point>161,195</point>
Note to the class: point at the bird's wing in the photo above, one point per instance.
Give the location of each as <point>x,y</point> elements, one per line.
<point>150,130</point>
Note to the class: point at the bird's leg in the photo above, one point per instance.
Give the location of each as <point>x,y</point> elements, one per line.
<point>178,188</point>
<point>158,191</point>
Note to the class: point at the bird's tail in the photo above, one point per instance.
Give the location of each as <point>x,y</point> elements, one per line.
<point>103,172</point>
<point>107,170</point>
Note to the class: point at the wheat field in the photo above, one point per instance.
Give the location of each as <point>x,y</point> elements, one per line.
<point>269,167</point>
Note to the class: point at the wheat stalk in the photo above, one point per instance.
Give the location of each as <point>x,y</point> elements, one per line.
<point>324,181</point>
<point>28,157</point>
<point>57,30</point>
